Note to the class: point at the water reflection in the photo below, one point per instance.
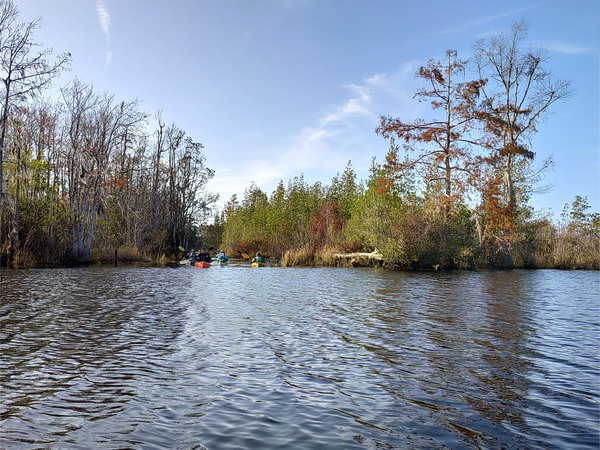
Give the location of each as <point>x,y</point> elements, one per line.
<point>298,358</point>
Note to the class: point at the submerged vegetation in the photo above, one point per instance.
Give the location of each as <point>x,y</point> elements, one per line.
<point>89,178</point>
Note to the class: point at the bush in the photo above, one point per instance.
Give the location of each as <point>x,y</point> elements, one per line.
<point>576,251</point>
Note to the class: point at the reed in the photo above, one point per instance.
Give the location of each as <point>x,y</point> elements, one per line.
<point>298,257</point>
<point>326,256</point>
<point>24,259</point>
<point>105,255</point>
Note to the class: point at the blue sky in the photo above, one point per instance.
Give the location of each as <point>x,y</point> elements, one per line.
<point>278,88</point>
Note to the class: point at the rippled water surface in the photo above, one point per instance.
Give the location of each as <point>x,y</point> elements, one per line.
<point>241,358</point>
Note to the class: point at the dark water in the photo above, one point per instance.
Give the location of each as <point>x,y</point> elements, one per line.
<point>240,358</point>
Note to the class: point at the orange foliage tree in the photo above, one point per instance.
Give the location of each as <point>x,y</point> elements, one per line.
<point>439,150</point>
<point>517,95</point>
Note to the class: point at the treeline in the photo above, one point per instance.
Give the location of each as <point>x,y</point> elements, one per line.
<point>303,224</point>
<point>453,194</point>
<point>85,176</point>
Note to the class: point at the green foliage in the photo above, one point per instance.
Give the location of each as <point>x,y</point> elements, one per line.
<point>577,243</point>
<point>86,172</point>
<point>384,216</point>
<point>578,220</point>
<point>375,213</point>
<point>534,243</point>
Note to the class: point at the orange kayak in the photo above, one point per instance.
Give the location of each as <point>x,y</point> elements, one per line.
<point>202,265</point>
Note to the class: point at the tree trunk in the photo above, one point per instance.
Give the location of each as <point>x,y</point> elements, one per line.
<point>504,258</point>
<point>510,189</point>
<point>3,137</point>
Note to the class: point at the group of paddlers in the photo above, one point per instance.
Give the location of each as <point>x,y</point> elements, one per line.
<point>203,255</point>
<point>198,255</point>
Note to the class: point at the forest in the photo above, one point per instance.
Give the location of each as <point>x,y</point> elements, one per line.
<point>87,178</point>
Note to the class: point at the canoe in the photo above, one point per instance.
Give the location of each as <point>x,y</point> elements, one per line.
<point>258,264</point>
<point>202,265</point>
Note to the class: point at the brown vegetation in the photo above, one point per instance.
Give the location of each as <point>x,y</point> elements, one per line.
<point>84,176</point>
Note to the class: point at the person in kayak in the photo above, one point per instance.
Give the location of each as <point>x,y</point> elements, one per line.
<point>203,256</point>
<point>258,258</point>
<point>221,256</point>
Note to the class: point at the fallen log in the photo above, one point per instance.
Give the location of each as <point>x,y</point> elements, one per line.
<point>361,259</point>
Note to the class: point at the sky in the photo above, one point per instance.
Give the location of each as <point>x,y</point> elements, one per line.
<point>275,89</point>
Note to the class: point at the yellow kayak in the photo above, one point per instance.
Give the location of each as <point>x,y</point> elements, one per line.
<point>258,264</point>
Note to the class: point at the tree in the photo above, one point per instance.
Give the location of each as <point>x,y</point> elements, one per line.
<point>577,219</point>
<point>301,205</point>
<point>28,171</point>
<point>517,95</point>
<point>279,232</point>
<point>440,149</point>
<point>343,191</point>
<point>189,202</point>
<point>23,71</point>
<point>96,126</point>
<point>577,244</point>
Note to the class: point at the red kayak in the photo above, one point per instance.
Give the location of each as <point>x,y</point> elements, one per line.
<point>202,265</point>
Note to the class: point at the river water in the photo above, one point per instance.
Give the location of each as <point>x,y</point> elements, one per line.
<point>298,358</point>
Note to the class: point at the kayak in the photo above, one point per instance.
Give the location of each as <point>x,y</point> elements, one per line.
<point>258,264</point>
<point>202,265</point>
<point>222,259</point>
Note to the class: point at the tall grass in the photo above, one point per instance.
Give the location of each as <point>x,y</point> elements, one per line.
<point>105,255</point>
<point>298,257</point>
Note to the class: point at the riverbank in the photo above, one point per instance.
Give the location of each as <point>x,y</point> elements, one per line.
<point>330,257</point>
<point>323,257</point>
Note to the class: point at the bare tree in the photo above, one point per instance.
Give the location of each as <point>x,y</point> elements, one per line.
<point>518,94</point>
<point>188,201</point>
<point>96,126</point>
<point>24,66</point>
<point>516,97</point>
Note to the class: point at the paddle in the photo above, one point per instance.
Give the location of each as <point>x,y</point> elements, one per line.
<point>182,249</point>
<point>245,255</point>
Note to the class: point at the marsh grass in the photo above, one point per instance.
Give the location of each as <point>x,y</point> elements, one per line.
<point>298,257</point>
<point>105,255</point>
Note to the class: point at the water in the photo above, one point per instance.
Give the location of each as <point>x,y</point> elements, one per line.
<point>241,358</point>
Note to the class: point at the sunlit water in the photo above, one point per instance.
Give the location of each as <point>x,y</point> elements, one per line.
<point>241,358</point>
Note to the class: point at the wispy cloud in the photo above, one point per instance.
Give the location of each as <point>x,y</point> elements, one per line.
<point>321,149</point>
<point>379,94</point>
<point>345,132</point>
<point>570,49</point>
<point>359,104</point>
<point>105,23</point>
<point>469,25</point>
